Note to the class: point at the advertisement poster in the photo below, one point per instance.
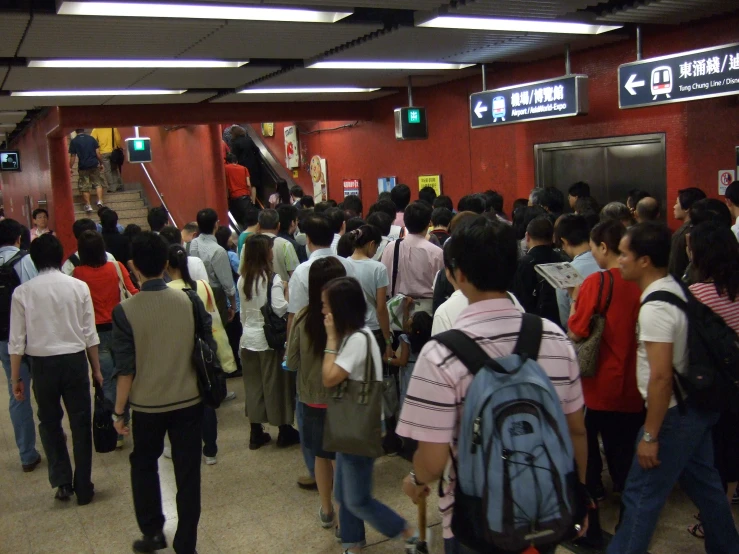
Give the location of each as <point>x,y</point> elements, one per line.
<point>351,186</point>
<point>386,184</point>
<point>268,129</point>
<point>318,176</point>
<point>292,154</point>
<point>433,181</point>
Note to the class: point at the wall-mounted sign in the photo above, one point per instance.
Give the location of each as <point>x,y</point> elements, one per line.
<point>318,176</point>
<point>268,129</point>
<point>351,186</point>
<point>433,181</point>
<point>292,154</point>
<point>705,73</point>
<point>410,124</point>
<point>725,178</point>
<point>561,97</point>
<point>139,149</point>
<point>386,184</point>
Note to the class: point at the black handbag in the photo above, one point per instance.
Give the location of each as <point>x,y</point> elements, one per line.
<point>104,435</point>
<point>211,379</point>
<point>275,327</point>
<point>116,156</point>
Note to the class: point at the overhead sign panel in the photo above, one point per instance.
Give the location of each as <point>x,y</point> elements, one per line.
<point>561,97</point>
<point>705,73</point>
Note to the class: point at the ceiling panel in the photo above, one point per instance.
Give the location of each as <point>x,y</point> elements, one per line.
<point>3,72</point>
<point>12,116</point>
<point>42,78</point>
<point>203,78</point>
<point>252,39</point>
<point>525,8</point>
<point>346,97</point>
<point>34,102</point>
<point>670,11</point>
<point>388,4</point>
<point>12,26</point>
<point>362,78</point>
<point>187,98</point>
<point>63,36</point>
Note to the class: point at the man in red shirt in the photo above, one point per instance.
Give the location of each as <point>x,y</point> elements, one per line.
<point>241,195</point>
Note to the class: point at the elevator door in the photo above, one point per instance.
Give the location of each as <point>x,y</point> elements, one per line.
<point>611,166</point>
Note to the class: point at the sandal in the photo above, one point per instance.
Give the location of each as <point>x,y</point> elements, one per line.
<point>697,531</point>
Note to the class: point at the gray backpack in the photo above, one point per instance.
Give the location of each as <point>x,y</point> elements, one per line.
<point>516,479</point>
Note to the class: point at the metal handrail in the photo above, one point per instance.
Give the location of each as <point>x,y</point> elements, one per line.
<point>156,190</point>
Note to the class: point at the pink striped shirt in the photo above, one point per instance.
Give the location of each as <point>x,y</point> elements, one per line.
<point>433,407</point>
<point>721,305</point>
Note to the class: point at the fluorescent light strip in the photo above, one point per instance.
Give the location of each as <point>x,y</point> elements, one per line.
<point>200,11</point>
<point>181,64</point>
<point>125,92</point>
<point>516,25</point>
<point>306,90</point>
<point>388,65</point>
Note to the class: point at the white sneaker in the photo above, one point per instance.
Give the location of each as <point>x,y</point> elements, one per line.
<point>230,396</point>
<point>88,209</point>
<point>210,460</point>
<point>167,452</point>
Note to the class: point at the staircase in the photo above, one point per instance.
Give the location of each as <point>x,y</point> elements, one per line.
<point>129,206</point>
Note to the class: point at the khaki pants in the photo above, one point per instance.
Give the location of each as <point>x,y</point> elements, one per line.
<point>269,389</point>
<point>112,174</point>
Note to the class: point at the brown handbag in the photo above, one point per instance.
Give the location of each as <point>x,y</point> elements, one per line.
<point>354,415</point>
<point>588,350</point>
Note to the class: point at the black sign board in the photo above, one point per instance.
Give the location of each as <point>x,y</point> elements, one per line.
<point>560,97</point>
<point>411,124</point>
<point>10,160</point>
<point>705,73</point>
<point>139,149</point>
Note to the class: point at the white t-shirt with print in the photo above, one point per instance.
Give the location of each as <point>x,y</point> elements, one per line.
<point>661,322</point>
<point>353,353</point>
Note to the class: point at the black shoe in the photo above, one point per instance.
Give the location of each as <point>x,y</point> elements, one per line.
<point>288,437</point>
<point>83,499</point>
<point>64,493</point>
<point>258,441</point>
<point>28,468</point>
<point>235,374</point>
<point>145,545</point>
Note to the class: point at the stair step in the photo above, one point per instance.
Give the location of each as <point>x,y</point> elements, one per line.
<point>112,196</point>
<point>132,211</point>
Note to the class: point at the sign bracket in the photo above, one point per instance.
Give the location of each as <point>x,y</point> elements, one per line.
<point>638,43</point>
<point>410,91</point>
<point>484,78</point>
<point>568,67</point>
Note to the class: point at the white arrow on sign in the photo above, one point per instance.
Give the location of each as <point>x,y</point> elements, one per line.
<point>480,109</point>
<point>632,84</point>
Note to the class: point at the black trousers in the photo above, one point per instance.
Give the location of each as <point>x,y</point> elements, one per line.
<point>65,378</point>
<point>619,431</point>
<point>238,208</point>
<point>185,429</point>
<point>221,304</point>
<point>234,332</point>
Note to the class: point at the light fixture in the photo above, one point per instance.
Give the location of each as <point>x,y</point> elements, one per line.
<point>124,92</point>
<point>514,25</point>
<point>388,65</point>
<point>180,64</point>
<point>306,90</point>
<point>200,11</point>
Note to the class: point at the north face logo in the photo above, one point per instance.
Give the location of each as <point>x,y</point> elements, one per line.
<point>519,428</point>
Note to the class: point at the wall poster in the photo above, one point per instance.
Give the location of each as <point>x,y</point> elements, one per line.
<point>318,176</point>
<point>292,154</point>
<point>386,184</point>
<point>351,187</point>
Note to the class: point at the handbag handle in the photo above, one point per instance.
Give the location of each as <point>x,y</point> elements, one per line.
<point>121,283</point>
<point>610,293</point>
<point>210,300</point>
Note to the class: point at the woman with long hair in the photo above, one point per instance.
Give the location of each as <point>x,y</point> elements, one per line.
<point>104,279</point>
<point>347,343</point>
<point>305,355</point>
<point>714,253</point>
<point>270,390</point>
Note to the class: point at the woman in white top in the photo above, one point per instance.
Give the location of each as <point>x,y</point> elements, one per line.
<point>372,276</point>
<point>270,390</point>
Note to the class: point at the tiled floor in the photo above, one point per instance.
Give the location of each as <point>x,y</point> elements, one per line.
<point>250,503</point>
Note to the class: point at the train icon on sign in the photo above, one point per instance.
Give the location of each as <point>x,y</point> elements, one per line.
<point>661,81</point>
<point>498,108</point>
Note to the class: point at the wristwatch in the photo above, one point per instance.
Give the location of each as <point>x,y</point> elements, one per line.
<point>414,480</point>
<point>117,417</point>
<point>648,438</point>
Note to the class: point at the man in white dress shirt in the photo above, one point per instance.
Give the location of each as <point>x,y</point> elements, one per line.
<point>52,321</point>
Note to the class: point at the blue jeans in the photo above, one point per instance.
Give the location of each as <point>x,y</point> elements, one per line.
<point>21,413</point>
<point>107,368</point>
<point>686,456</point>
<point>353,491</point>
<point>310,461</point>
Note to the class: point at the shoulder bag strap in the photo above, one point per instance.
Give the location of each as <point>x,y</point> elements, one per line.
<point>600,292</point>
<point>191,294</point>
<point>396,255</point>
<point>465,348</point>
<point>369,362</point>
<point>669,297</point>
<point>529,337</point>
<point>112,138</point>
<point>610,293</point>
<point>267,308</point>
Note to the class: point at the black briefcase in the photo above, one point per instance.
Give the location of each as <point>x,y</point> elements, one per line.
<point>104,435</point>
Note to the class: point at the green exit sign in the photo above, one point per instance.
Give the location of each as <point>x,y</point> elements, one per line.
<point>138,145</point>
<point>414,116</point>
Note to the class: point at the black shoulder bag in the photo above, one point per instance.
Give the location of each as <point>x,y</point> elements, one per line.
<point>116,156</point>
<point>275,327</point>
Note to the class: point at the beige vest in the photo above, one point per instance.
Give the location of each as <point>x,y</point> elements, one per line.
<point>163,331</point>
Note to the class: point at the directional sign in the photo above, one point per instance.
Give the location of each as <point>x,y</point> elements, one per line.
<point>681,77</point>
<point>561,97</point>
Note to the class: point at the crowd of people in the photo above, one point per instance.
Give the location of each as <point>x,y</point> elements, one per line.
<point>313,304</point>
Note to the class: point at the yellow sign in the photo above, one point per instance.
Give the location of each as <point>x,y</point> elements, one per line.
<point>433,181</point>
<point>295,174</point>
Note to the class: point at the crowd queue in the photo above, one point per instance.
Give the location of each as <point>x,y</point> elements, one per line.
<point>346,327</point>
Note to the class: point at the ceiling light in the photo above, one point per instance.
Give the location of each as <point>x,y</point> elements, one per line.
<point>106,64</point>
<point>388,65</point>
<point>515,25</point>
<point>200,11</point>
<point>125,92</point>
<point>306,90</point>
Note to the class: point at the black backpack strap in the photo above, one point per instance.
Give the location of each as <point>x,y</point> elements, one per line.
<point>465,348</point>
<point>17,257</point>
<point>75,259</point>
<point>396,255</point>
<point>529,337</point>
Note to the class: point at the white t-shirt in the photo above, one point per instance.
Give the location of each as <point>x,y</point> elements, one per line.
<point>197,270</point>
<point>371,275</point>
<point>446,315</point>
<point>353,353</point>
<point>661,322</point>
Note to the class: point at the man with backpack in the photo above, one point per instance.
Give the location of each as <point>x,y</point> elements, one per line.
<point>516,436</point>
<point>675,444</point>
<point>16,268</point>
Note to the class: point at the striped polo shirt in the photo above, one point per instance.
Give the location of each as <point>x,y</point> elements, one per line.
<point>433,407</point>
<point>721,305</point>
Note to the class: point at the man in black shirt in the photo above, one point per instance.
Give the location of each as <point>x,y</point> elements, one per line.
<point>86,150</point>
